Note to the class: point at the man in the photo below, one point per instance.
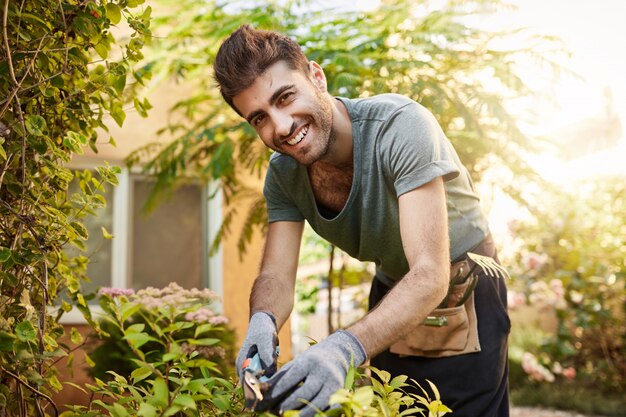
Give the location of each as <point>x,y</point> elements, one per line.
<point>377,178</point>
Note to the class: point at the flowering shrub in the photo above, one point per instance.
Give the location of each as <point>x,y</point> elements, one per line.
<point>170,339</point>
<point>571,264</point>
<point>164,351</point>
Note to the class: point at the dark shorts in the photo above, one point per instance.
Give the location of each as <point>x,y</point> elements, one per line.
<point>473,384</point>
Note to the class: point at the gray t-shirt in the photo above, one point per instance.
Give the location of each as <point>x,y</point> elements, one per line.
<point>398,146</point>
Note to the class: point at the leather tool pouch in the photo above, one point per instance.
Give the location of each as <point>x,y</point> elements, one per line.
<point>446,331</point>
<point>453,329</point>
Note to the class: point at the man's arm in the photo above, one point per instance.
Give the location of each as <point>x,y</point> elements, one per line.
<point>424,232</point>
<point>273,289</point>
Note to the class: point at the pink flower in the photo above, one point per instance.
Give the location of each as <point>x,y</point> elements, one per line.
<point>218,320</point>
<point>115,292</point>
<point>534,261</point>
<point>534,369</point>
<point>515,299</point>
<point>201,315</point>
<point>569,373</point>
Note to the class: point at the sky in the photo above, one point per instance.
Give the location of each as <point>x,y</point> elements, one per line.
<point>594,33</point>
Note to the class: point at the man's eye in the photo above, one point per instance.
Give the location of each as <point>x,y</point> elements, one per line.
<point>285,96</point>
<point>257,121</point>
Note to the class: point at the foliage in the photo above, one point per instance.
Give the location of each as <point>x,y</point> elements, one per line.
<point>388,397</point>
<point>429,53</point>
<point>176,349</point>
<point>170,338</point>
<point>113,352</point>
<point>62,73</point>
<point>573,262</point>
<point>173,373</point>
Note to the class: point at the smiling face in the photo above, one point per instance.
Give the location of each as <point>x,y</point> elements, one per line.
<point>290,111</point>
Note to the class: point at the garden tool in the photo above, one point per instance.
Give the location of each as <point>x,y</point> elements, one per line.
<point>255,376</point>
<point>454,298</point>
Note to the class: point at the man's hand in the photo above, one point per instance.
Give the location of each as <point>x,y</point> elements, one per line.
<point>322,368</point>
<point>261,338</point>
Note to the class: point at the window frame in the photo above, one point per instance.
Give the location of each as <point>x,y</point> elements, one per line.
<point>211,220</point>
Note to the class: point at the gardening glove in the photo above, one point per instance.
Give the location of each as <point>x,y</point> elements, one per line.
<point>322,368</point>
<point>262,339</point>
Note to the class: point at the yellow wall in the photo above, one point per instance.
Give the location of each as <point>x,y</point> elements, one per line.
<point>239,275</point>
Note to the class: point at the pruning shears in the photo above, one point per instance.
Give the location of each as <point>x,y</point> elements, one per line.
<point>255,376</point>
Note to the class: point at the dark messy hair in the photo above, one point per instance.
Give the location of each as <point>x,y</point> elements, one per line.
<point>247,53</point>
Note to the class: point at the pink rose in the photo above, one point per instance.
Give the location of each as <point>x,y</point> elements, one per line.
<point>569,373</point>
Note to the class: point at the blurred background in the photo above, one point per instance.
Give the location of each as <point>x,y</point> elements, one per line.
<point>531,93</point>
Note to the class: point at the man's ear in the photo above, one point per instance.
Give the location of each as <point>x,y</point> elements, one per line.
<point>316,73</point>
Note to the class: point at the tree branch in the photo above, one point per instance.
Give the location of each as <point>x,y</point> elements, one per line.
<point>34,390</point>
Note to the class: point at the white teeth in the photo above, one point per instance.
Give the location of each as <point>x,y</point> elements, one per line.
<point>298,137</point>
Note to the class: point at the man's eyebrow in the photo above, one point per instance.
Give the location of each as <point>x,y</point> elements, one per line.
<point>271,101</point>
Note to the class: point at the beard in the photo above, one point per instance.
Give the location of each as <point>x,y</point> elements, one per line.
<point>324,135</point>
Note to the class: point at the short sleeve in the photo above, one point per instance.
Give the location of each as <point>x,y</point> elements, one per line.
<point>415,149</point>
<point>279,206</point>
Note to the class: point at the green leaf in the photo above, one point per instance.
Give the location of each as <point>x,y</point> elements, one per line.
<point>50,341</point>
<point>81,300</point>
<point>160,396</point>
<point>119,83</point>
<point>398,382</point>
<point>134,3</point>
<point>114,13</point>
<point>185,401</point>
<point>80,230</point>
<point>6,341</point>
<point>105,233</point>
<point>35,124</point>
<point>146,13</point>
<point>5,254</point>
<point>204,342</point>
<point>363,396</point>
<point>139,339</point>
<point>433,387</point>
<point>147,410</point>
<point>222,402</point>
<point>127,310</point>
<point>89,361</point>
<point>25,331</point>
<point>76,337</point>
<point>203,328</point>
<point>102,49</point>
<point>54,383</point>
<point>140,374</point>
<point>119,410</point>
<point>117,112</point>
<point>349,382</point>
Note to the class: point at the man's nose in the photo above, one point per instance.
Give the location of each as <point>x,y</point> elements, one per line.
<point>283,124</point>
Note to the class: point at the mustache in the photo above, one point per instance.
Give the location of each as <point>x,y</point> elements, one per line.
<point>292,129</point>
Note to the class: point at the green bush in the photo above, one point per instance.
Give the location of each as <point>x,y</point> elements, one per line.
<point>62,74</point>
<point>572,259</point>
<point>166,353</point>
<point>191,315</point>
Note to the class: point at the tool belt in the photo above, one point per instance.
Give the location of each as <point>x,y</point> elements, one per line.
<point>452,328</point>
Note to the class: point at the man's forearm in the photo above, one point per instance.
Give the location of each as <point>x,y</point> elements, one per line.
<point>272,294</point>
<point>403,308</point>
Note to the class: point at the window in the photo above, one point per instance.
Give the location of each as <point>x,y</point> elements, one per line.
<point>168,244</point>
